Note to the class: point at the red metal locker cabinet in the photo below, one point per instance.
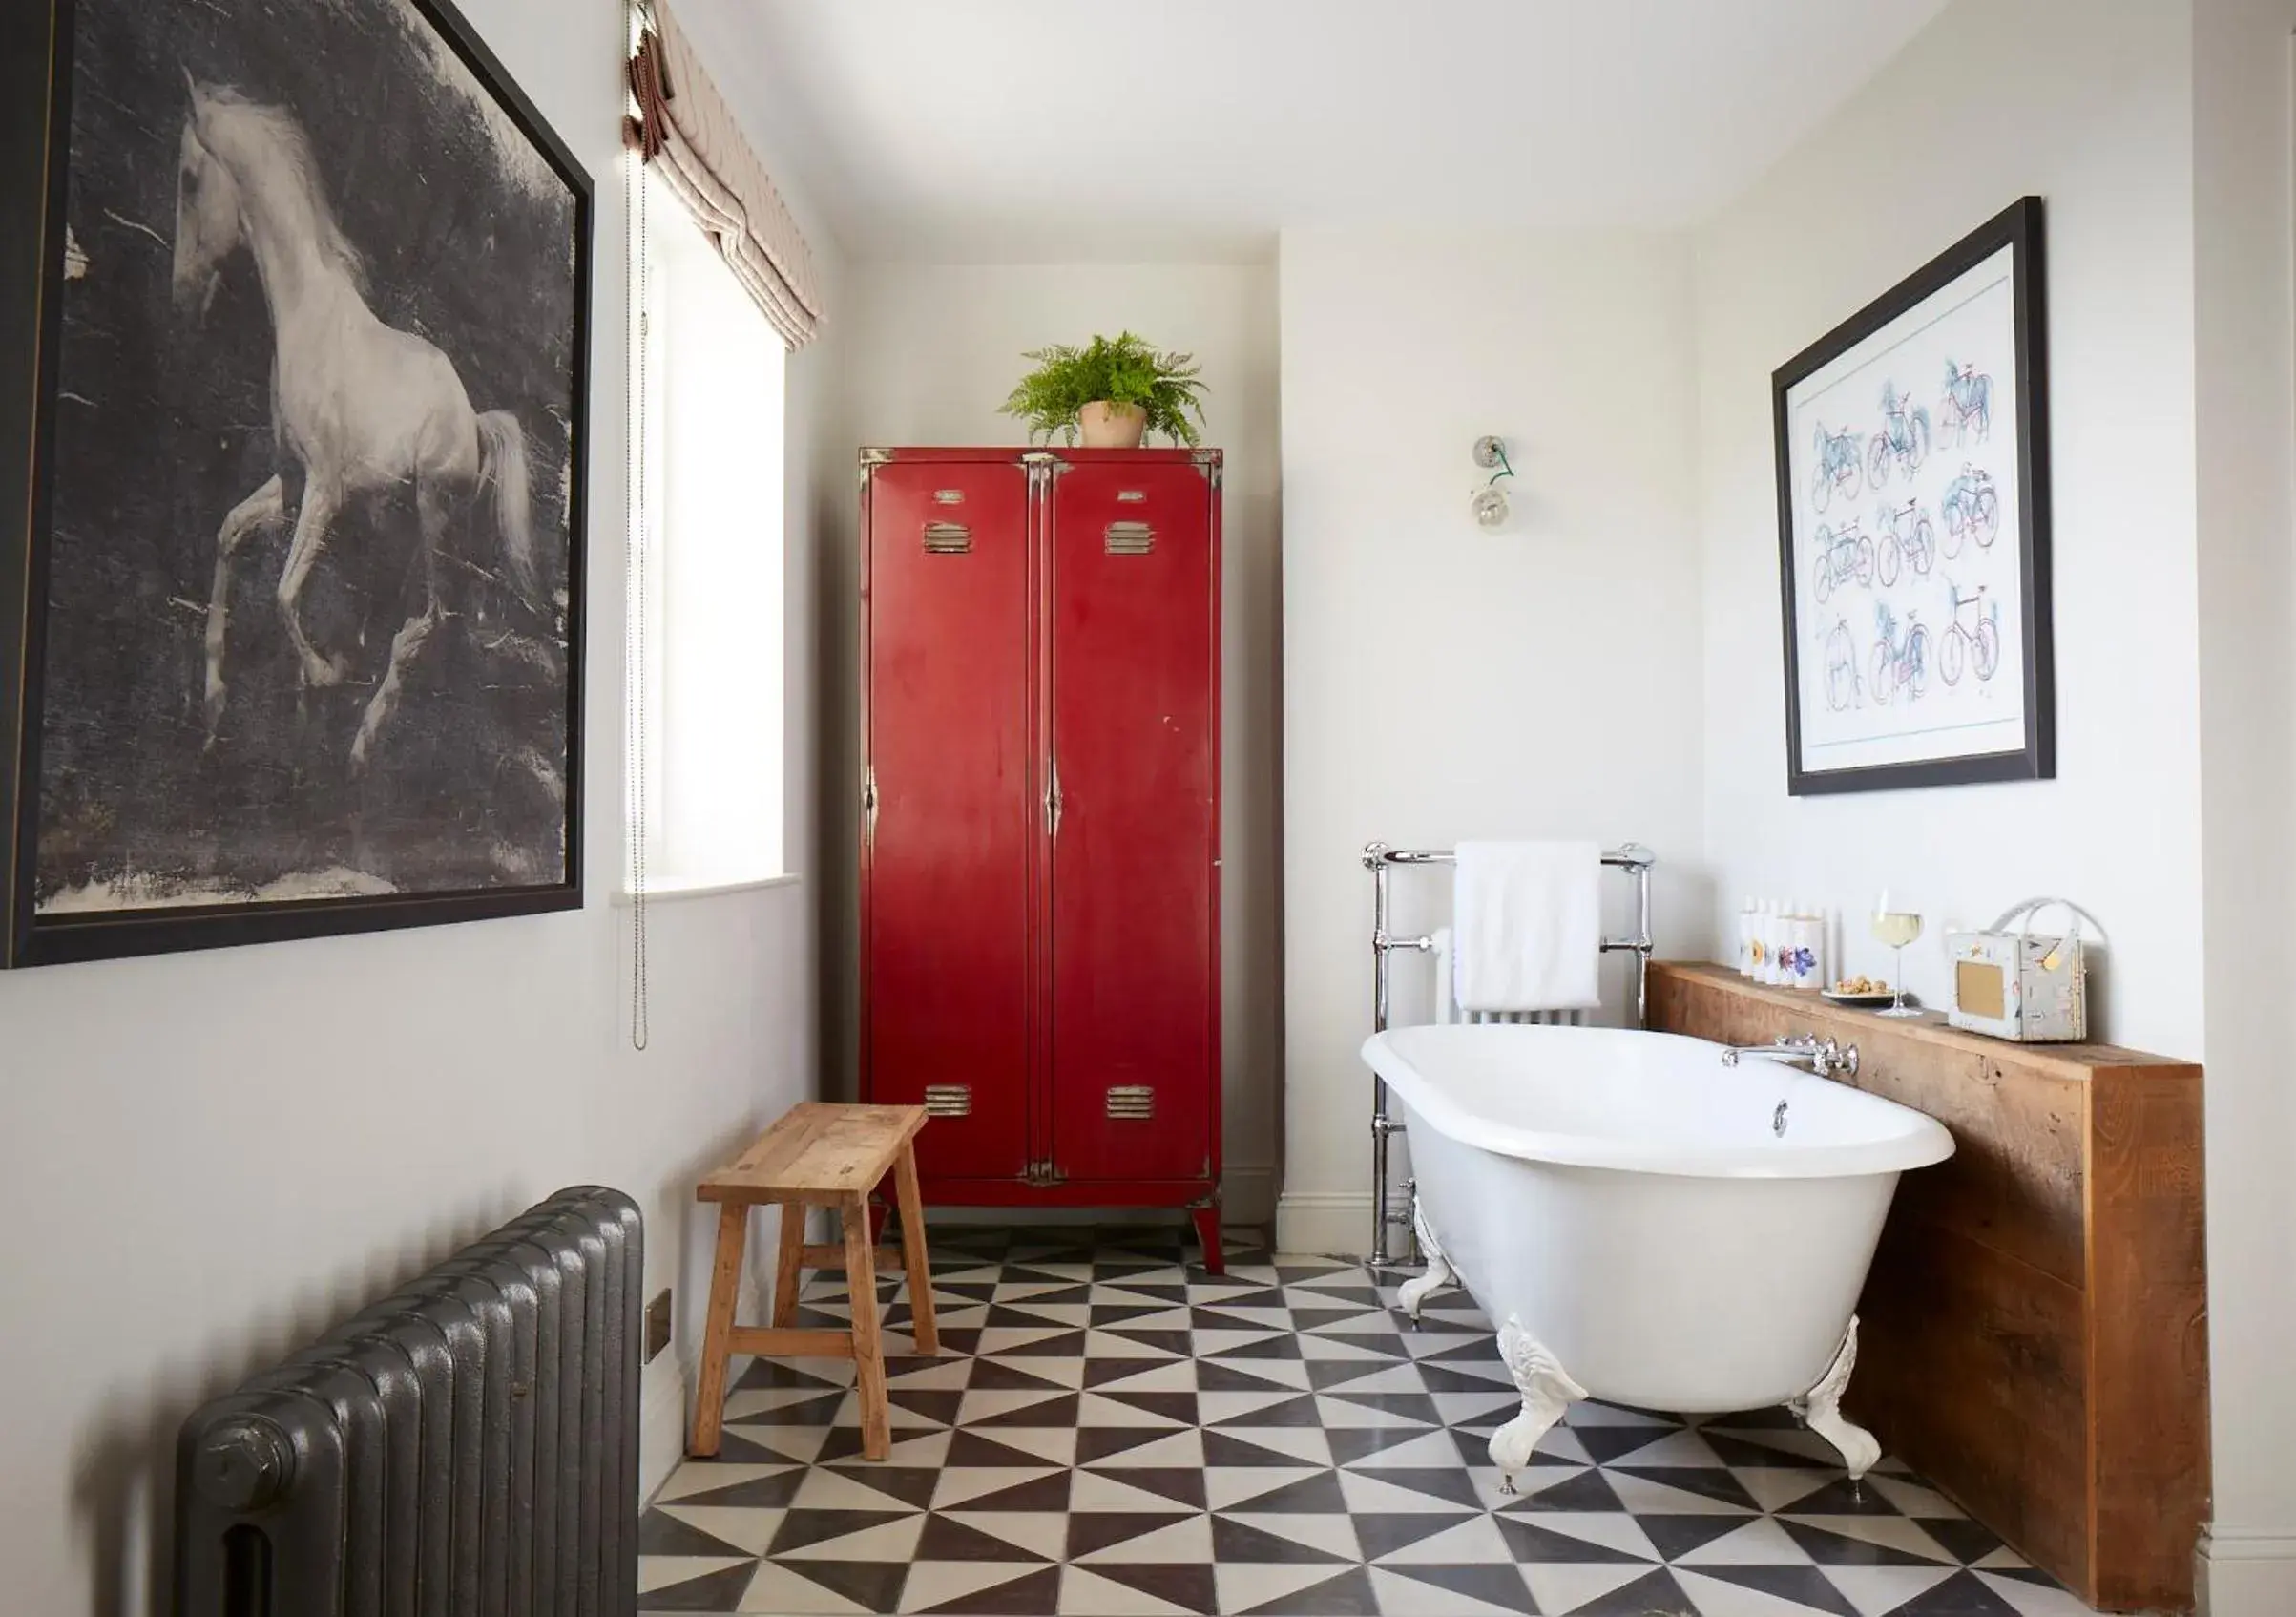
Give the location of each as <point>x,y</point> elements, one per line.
<point>1135,760</point>
<point>1040,830</point>
<point>948,837</point>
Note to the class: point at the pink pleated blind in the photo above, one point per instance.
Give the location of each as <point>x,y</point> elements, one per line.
<point>684,127</point>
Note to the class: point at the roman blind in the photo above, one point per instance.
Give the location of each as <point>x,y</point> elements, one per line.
<point>682,126</point>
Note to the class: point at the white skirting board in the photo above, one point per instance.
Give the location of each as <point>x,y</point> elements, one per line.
<point>2241,1572</point>
<point>1247,1193</point>
<point>661,1410</point>
<point>1337,1223</point>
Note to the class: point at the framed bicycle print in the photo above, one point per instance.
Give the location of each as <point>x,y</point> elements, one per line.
<point>1913,445</point>
<point>294,326</point>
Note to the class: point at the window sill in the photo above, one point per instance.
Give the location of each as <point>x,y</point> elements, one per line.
<point>672,892</point>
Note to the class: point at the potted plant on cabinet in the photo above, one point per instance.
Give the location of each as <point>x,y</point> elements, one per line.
<point>1113,390</point>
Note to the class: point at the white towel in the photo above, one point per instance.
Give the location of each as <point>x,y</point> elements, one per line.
<point>1527,926</point>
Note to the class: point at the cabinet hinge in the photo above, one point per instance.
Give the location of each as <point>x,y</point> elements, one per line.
<point>869,804</point>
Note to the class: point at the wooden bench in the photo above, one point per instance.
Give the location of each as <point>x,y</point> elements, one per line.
<point>820,1154</point>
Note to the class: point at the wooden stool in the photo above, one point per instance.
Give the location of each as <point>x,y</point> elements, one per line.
<point>834,1156</point>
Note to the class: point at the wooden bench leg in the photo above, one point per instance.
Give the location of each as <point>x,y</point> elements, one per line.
<point>716,1338</point>
<point>868,1345</point>
<point>787,1266</point>
<point>916,1266</point>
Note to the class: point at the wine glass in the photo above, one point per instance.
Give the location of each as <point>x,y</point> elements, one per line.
<point>1896,927</point>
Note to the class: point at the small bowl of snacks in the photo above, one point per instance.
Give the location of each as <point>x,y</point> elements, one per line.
<point>1860,993</point>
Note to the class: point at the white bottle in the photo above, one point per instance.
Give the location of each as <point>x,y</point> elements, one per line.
<point>1746,938</point>
<point>1766,946</point>
<point>1810,952</point>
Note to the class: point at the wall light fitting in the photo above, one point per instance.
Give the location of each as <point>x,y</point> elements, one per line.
<point>1489,503</point>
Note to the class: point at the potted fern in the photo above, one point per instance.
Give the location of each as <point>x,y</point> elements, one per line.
<point>1112,391</point>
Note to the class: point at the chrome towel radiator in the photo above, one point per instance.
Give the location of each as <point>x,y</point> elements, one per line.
<point>1381,861</point>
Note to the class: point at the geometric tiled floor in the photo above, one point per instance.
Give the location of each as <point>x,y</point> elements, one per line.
<point>1109,1431</point>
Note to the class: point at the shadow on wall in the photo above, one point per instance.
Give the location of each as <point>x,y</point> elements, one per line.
<point>123,1470</point>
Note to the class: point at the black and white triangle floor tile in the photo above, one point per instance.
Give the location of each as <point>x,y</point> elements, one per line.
<point>1110,1432</point>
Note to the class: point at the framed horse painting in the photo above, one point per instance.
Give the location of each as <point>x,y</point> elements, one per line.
<point>1913,523</point>
<point>294,305</point>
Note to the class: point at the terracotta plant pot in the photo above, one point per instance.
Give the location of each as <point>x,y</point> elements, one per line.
<point>1111,427</point>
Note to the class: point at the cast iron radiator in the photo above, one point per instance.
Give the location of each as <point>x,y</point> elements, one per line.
<point>464,1448</point>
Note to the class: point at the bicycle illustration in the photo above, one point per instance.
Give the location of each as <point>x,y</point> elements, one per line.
<point>1900,663</point>
<point>1843,687</point>
<point>1912,541</point>
<point>1904,437</point>
<point>1837,465</point>
<point>1980,646</point>
<point>1968,405</point>
<point>1972,510</point>
<point>1844,553</point>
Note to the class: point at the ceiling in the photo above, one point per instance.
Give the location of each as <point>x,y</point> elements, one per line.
<point>1022,130</point>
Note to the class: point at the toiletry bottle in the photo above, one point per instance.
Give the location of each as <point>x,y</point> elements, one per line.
<point>1746,938</point>
<point>1768,931</point>
<point>1810,951</point>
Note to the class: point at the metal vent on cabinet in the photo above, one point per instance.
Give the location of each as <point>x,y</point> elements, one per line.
<point>1130,538</point>
<point>949,1099</point>
<point>1131,1103</point>
<point>948,538</point>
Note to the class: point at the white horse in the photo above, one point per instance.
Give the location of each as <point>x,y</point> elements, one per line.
<point>357,407</point>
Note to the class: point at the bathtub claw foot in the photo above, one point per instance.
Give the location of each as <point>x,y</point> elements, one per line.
<point>1547,1390</point>
<point>1820,1409</point>
<point>1413,1295</point>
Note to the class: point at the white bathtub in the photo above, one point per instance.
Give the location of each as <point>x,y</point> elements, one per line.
<point>1645,1223</point>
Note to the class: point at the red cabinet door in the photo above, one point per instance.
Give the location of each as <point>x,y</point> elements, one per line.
<point>1134,710</point>
<point>947,855</point>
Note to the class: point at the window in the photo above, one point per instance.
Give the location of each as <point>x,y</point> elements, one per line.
<point>705,743</point>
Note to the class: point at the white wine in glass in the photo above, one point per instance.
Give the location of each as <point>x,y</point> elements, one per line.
<point>1896,927</point>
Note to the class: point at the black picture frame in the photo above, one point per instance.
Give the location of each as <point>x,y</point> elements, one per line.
<point>36,80</point>
<point>2019,229</point>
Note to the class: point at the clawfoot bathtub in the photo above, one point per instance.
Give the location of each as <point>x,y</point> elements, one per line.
<point>1646,1224</point>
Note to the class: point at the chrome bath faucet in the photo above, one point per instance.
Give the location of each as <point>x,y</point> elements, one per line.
<point>1822,1057</point>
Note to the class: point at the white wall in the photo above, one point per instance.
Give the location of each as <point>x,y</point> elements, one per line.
<point>2095,116</point>
<point>1441,681</point>
<point>2244,292</point>
<point>2159,134</point>
<point>205,1159</point>
<point>933,350</point>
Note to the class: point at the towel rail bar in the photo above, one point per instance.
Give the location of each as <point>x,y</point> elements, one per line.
<point>1381,860</point>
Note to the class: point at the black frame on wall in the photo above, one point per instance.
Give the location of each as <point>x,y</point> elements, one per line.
<point>2018,227</point>
<point>36,44</point>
